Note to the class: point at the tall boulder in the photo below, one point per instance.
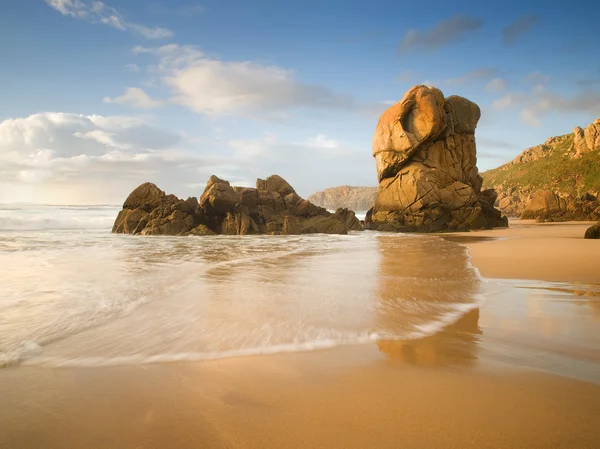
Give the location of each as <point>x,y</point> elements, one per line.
<point>426,162</point>
<point>273,207</point>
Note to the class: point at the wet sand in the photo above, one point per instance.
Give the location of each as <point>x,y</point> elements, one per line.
<point>489,380</point>
<point>555,252</point>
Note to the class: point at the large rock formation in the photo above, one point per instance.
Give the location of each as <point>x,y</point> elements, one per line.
<point>548,206</point>
<point>424,148</point>
<point>567,165</point>
<point>273,207</point>
<point>351,197</point>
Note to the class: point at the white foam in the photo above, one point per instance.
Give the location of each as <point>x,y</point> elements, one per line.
<point>56,218</point>
<point>422,331</point>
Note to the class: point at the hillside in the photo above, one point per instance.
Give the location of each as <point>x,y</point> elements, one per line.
<point>567,165</point>
<point>354,198</point>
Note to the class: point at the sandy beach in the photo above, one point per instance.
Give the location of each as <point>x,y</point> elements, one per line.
<point>555,252</point>
<point>520,370</point>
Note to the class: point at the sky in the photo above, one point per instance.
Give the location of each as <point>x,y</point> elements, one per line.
<point>99,97</point>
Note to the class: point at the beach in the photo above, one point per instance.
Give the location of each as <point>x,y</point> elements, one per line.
<point>516,363</point>
<point>555,252</point>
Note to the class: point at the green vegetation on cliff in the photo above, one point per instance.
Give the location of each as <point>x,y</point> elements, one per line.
<point>556,170</point>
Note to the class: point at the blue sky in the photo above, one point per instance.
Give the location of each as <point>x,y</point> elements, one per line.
<point>99,97</point>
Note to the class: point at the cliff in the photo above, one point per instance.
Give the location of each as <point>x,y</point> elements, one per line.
<point>351,197</point>
<point>568,165</point>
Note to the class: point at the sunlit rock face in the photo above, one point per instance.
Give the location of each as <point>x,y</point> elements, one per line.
<point>273,207</point>
<point>426,161</point>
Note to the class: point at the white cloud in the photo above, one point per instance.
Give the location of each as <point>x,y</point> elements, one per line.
<point>537,78</point>
<point>136,97</point>
<point>496,85</point>
<point>86,159</point>
<point>54,157</point>
<point>95,11</point>
<point>214,87</point>
<point>132,67</point>
<point>321,141</point>
<point>540,101</point>
<point>530,117</point>
<point>508,100</point>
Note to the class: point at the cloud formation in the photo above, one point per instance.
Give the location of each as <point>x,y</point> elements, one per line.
<point>58,157</point>
<point>512,32</point>
<point>479,74</point>
<point>136,97</point>
<point>95,11</point>
<point>496,85</point>
<point>90,159</point>
<point>214,87</point>
<point>444,32</point>
<point>540,101</point>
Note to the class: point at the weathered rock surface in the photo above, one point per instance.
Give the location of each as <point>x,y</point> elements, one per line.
<point>424,148</point>
<point>588,139</point>
<point>567,165</point>
<point>273,207</point>
<point>351,197</point>
<point>549,206</point>
<point>593,232</point>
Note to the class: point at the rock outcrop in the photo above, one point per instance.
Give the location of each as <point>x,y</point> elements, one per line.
<point>549,206</point>
<point>567,165</point>
<point>273,207</point>
<point>588,139</point>
<point>351,197</point>
<point>593,232</point>
<point>426,161</point>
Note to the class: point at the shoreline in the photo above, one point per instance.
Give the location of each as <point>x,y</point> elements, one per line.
<point>473,384</point>
<point>550,252</point>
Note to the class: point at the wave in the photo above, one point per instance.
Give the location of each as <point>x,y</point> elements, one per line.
<point>33,356</point>
<point>39,223</point>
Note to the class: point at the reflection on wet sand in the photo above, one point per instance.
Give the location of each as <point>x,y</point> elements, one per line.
<point>455,345</point>
<point>429,283</point>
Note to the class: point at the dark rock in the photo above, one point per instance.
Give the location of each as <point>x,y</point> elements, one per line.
<point>273,208</point>
<point>348,217</point>
<point>593,232</point>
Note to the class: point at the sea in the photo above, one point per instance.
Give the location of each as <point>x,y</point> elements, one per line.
<point>74,294</point>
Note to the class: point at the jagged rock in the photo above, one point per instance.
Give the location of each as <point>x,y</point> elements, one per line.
<point>588,139</point>
<point>424,147</point>
<point>146,197</point>
<point>348,217</point>
<point>273,207</point>
<point>201,230</point>
<point>593,232</point>
<point>149,211</point>
<point>549,206</point>
<point>323,225</point>
<point>275,183</point>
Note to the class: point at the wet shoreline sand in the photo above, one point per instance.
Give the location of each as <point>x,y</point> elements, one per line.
<point>479,383</point>
<point>554,252</point>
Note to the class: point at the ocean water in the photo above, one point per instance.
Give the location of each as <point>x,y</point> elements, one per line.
<point>73,294</point>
